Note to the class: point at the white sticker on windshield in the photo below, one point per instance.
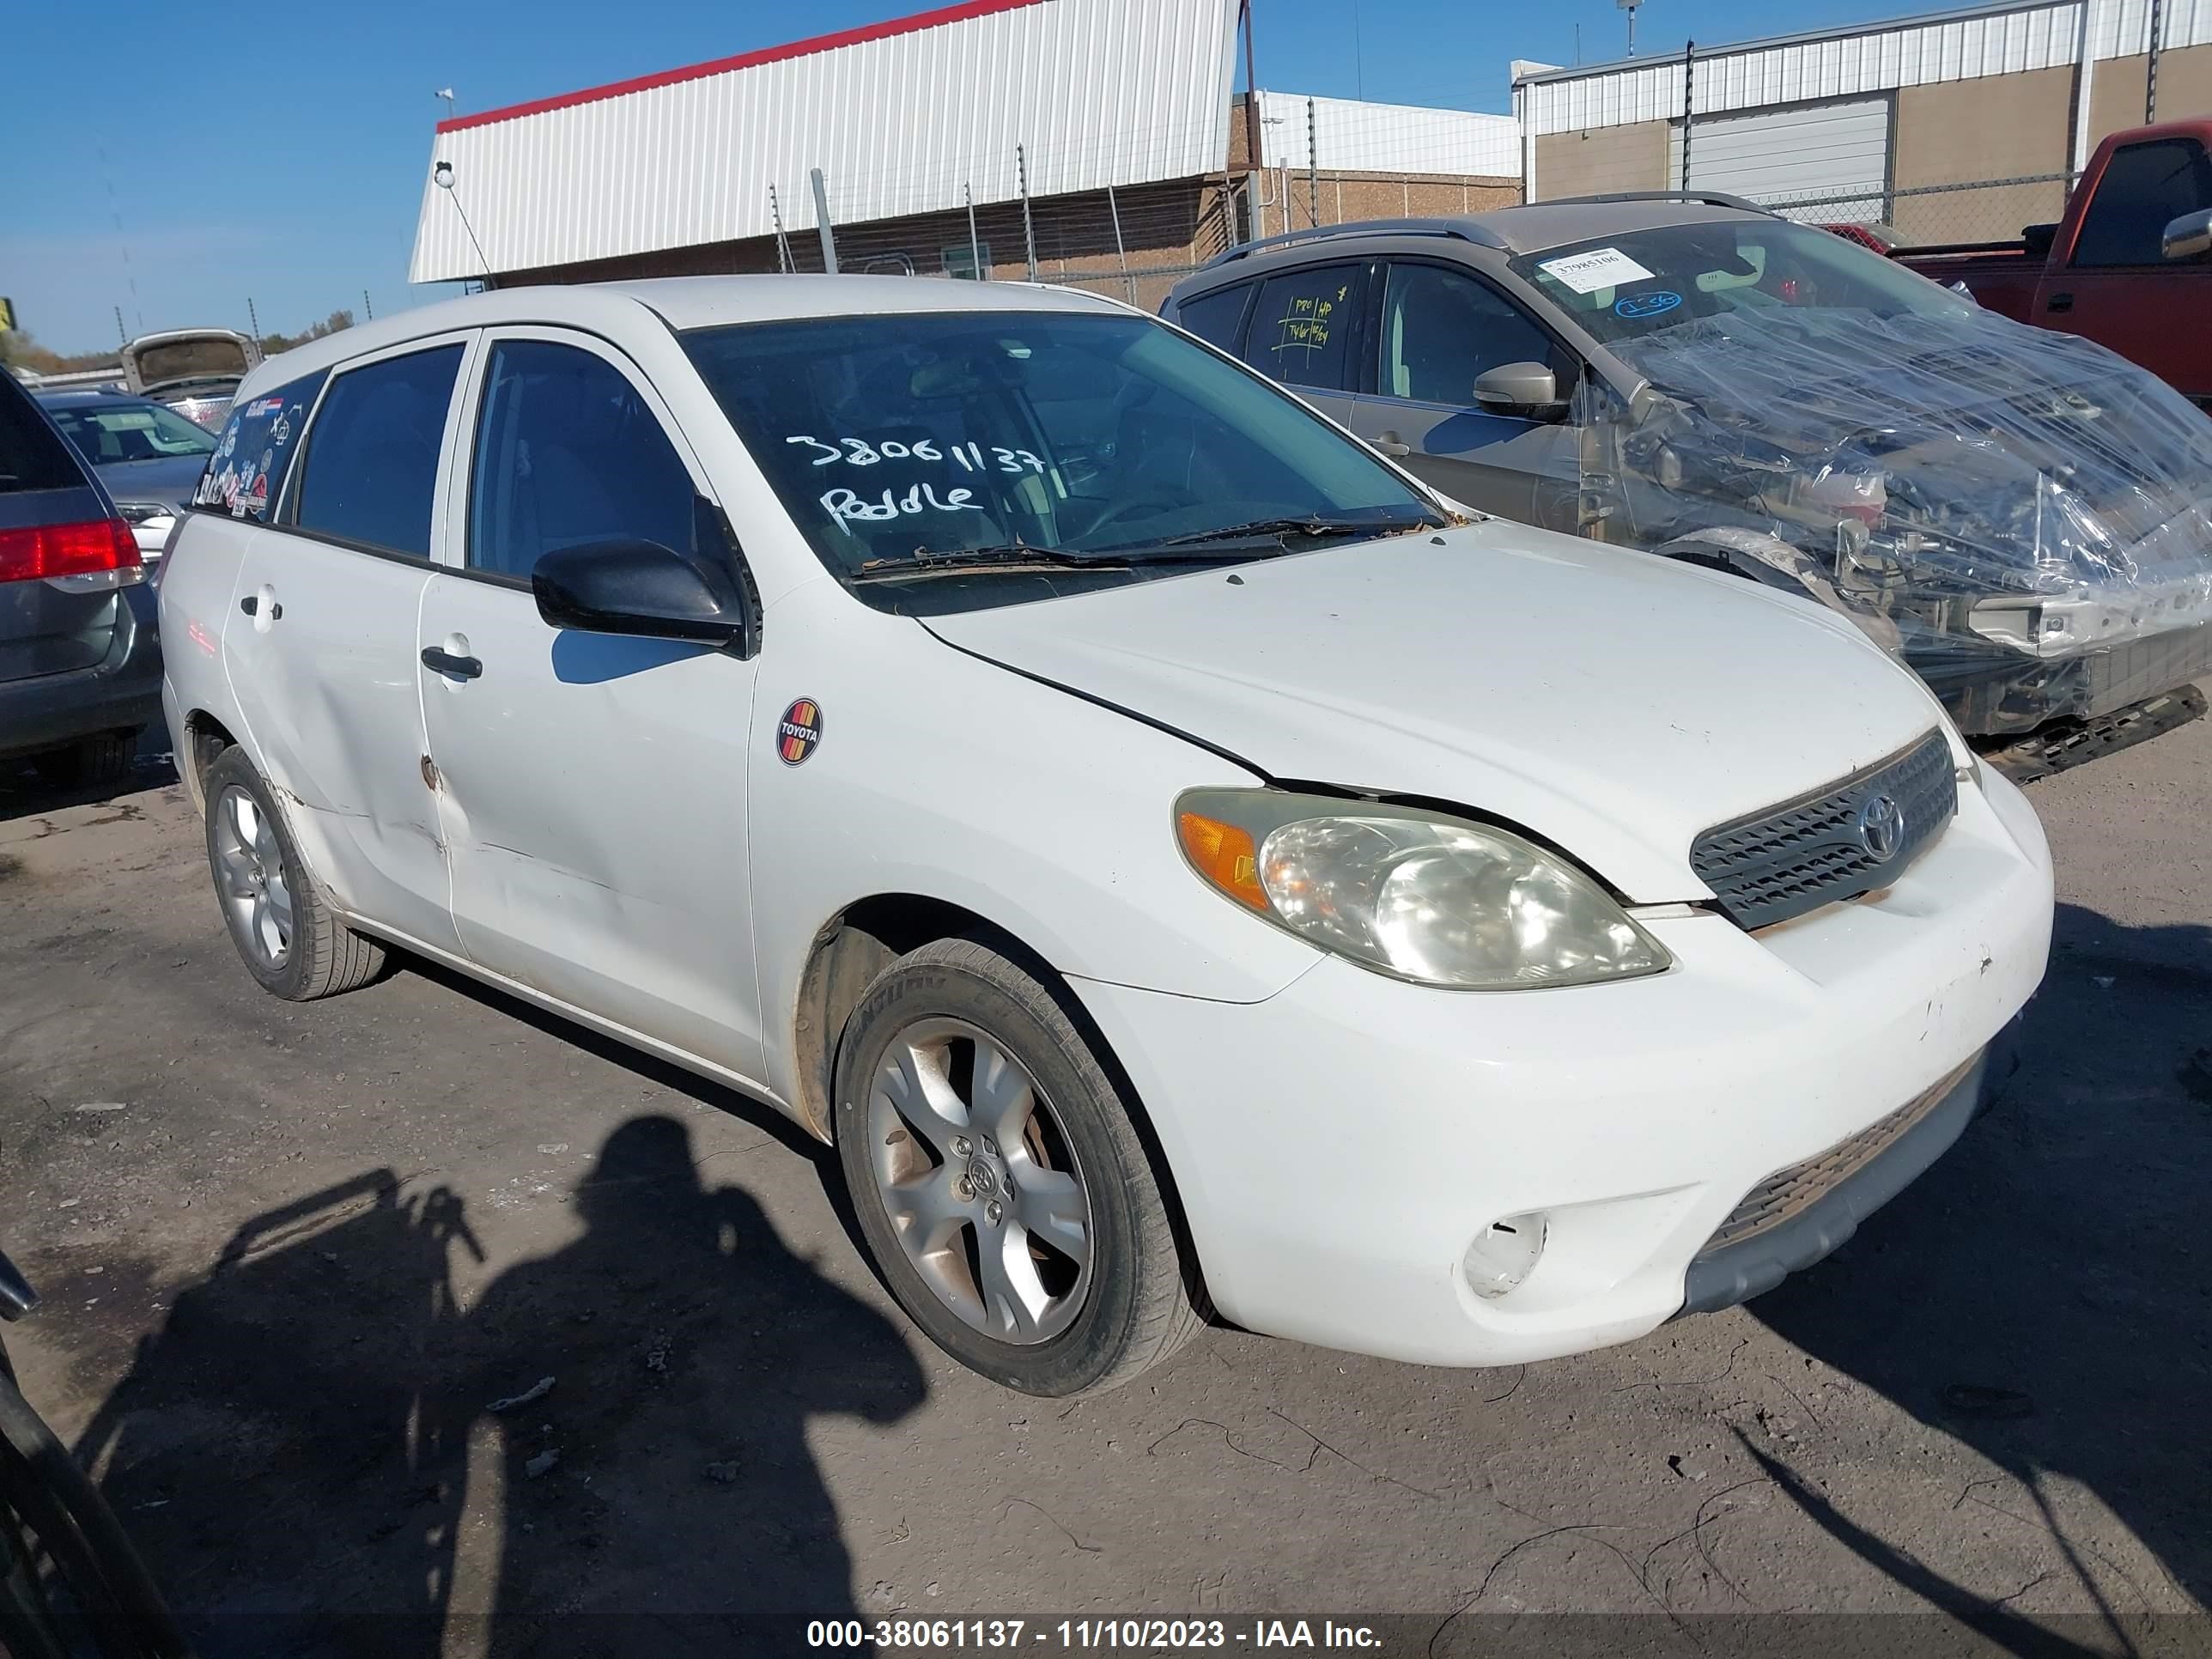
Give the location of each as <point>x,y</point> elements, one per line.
<point>1600,267</point>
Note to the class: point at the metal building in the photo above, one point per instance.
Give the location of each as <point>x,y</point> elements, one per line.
<point>1958,126</point>
<point>1069,139</point>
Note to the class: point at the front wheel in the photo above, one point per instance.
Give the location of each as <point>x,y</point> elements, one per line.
<point>999,1180</point>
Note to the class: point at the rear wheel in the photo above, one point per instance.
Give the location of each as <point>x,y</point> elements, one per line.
<point>1000,1180</point>
<point>89,761</point>
<point>289,939</point>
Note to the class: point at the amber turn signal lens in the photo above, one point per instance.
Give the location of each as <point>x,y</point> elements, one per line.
<point>1225,856</point>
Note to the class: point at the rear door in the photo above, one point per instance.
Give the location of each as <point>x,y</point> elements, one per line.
<point>2116,288</point>
<point>1438,327</point>
<point>1304,332</point>
<point>592,787</point>
<point>320,638</point>
<point>45,628</point>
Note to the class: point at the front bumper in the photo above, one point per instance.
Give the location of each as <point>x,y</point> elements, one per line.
<point>120,692</point>
<point>1339,1147</point>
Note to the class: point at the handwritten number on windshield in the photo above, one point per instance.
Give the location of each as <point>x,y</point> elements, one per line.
<point>859,451</point>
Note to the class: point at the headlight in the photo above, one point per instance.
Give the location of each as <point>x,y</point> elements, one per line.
<point>1413,894</point>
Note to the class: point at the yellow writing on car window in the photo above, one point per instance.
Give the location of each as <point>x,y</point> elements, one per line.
<point>1305,326</point>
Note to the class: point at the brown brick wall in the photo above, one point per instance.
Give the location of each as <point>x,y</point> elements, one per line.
<point>2116,91</point>
<point>1999,126</point>
<point>1601,160</point>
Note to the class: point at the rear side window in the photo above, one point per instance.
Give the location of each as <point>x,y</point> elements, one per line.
<point>1216,318</point>
<point>371,470</point>
<point>32,454</point>
<point>246,475</point>
<point>2144,188</point>
<point>568,453</point>
<point>1302,326</point>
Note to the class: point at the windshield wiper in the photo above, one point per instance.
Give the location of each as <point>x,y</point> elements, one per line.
<point>1316,527</point>
<point>967,561</point>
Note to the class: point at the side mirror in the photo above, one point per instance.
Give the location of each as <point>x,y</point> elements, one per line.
<point>644,589</point>
<point>1526,389</point>
<point>2189,236</point>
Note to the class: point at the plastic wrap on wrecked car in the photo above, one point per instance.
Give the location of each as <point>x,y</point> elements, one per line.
<point>2024,517</point>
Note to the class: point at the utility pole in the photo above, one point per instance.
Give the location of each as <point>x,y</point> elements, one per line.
<point>254,319</point>
<point>1121,252</point>
<point>369,311</point>
<point>1689,104</point>
<point>120,333</point>
<point>2150,69</point>
<point>975,244</point>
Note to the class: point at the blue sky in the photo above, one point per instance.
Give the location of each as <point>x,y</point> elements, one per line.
<point>282,158</point>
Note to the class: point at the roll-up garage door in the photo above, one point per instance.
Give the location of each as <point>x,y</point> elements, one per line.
<point>1837,154</point>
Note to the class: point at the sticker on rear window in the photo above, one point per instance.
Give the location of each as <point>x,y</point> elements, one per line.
<point>1598,267</point>
<point>246,474</point>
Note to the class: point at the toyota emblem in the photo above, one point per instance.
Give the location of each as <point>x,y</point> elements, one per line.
<point>1881,826</point>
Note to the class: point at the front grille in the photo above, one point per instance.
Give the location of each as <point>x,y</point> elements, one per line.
<point>1823,846</point>
<point>1787,1192</point>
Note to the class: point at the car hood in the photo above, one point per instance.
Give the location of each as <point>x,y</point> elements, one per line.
<point>1614,704</point>
<point>1986,458</point>
<point>169,479</point>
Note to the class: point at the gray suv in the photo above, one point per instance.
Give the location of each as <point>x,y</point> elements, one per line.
<point>2021,515</point>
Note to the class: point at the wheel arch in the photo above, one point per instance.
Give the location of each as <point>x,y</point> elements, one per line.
<point>855,945</point>
<point>205,738</point>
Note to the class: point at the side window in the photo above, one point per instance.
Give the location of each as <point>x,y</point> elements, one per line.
<point>568,453</point>
<point>1216,318</point>
<point>1303,325</point>
<point>2144,187</point>
<point>371,468</point>
<point>1442,328</point>
<point>260,441</point>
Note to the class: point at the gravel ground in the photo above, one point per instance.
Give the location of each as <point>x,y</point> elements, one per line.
<point>301,1262</point>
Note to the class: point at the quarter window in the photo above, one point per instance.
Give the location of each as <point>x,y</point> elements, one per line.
<point>1302,330</point>
<point>568,453</point>
<point>1441,329</point>
<point>1216,318</point>
<point>370,474</point>
<point>2144,188</point>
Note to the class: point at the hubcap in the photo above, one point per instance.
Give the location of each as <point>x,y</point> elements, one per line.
<point>979,1182</point>
<point>250,877</point>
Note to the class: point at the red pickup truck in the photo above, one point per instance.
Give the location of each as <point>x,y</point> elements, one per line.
<point>2130,266</point>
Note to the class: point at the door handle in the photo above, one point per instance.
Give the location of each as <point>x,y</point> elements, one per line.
<point>445,662</point>
<point>2061,302</point>
<point>251,604</point>
<point>1390,444</point>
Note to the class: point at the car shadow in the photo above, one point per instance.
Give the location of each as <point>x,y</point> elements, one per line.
<point>2040,1295</point>
<point>327,1449</point>
<point>25,794</point>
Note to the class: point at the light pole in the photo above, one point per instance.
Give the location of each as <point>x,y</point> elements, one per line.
<point>1630,6</point>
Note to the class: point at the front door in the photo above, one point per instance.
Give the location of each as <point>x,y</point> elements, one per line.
<point>592,787</point>
<point>320,637</point>
<point>1438,329</point>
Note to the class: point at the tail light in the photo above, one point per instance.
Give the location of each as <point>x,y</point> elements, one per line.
<point>87,557</point>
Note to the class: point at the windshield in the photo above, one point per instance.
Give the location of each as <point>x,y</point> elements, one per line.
<point>901,443</point>
<point>129,431</point>
<point>1643,281</point>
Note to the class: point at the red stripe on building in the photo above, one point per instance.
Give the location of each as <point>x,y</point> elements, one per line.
<point>897,26</point>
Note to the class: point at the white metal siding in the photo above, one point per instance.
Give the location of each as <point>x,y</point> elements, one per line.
<point>1354,136</point>
<point>1918,51</point>
<point>1837,153</point>
<point>1101,92</point>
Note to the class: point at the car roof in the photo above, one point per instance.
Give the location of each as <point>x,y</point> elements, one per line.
<point>1481,238</point>
<point>680,302</point>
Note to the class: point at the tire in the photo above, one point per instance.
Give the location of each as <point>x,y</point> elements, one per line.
<point>89,761</point>
<point>1032,1315</point>
<point>288,938</point>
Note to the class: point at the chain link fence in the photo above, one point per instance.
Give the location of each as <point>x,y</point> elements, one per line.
<point>1977,210</point>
